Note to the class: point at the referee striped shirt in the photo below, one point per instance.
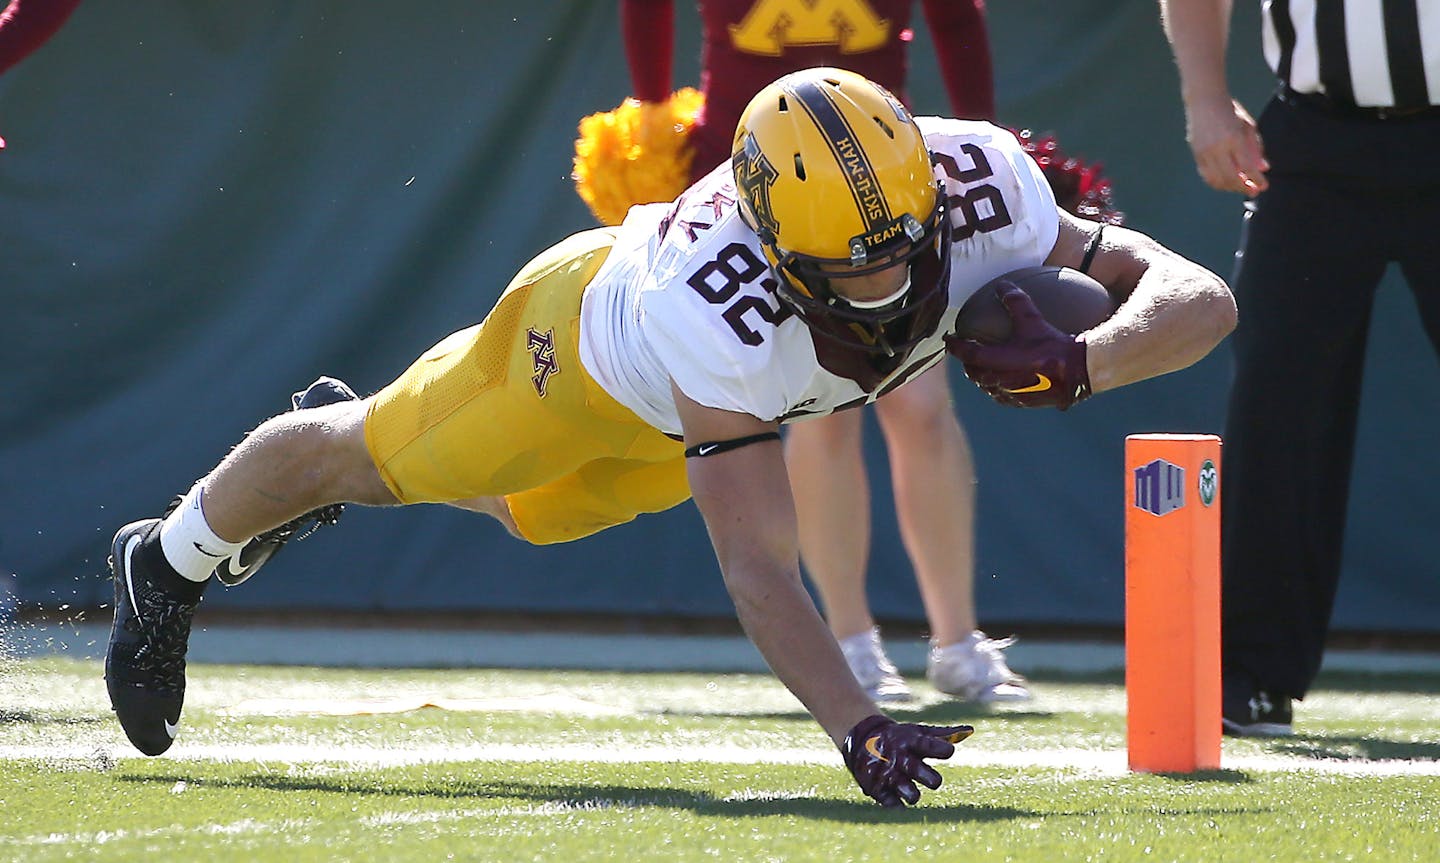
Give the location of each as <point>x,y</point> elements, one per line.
<point>1370,53</point>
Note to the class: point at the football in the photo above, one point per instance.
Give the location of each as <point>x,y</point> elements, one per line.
<point>1069,299</point>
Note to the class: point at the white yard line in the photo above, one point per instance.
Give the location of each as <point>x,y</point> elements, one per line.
<point>1086,761</point>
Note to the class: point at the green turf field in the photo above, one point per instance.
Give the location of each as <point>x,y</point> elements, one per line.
<point>283,764</point>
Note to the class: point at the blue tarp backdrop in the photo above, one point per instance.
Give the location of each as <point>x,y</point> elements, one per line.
<point>205,205</point>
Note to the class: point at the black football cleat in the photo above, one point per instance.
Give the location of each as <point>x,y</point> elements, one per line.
<point>233,570</point>
<point>145,660</point>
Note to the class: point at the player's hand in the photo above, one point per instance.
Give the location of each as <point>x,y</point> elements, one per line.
<point>1038,366</point>
<point>887,758</point>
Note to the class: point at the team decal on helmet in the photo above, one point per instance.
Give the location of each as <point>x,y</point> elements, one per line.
<point>854,162</point>
<point>754,175</point>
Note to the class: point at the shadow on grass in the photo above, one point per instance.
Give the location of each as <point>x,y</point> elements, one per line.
<point>941,713</point>
<point>1421,682</point>
<point>1379,681</point>
<point>610,796</point>
<point>1107,676</point>
<point>46,717</point>
<point>952,712</point>
<point>1219,777</point>
<point>1336,747</point>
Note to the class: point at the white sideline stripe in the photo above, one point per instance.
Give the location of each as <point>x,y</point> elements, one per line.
<point>1106,762</point>
<point>408,647</point>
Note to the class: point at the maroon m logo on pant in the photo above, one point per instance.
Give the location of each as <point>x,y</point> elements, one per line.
<point>542,349</point>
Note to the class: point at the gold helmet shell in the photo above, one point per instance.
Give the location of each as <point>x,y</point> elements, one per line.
<point>835,179</point>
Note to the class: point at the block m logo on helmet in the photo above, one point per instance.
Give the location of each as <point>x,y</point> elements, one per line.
<point>754,175</point>
<point>1159,487</point>
<point>771,26</point>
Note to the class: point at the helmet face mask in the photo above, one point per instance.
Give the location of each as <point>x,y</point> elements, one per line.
<point>807,285</point>
<point>835,180</point>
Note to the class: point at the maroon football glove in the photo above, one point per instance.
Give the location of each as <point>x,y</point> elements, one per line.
<point>887,758</point>
<point>1038,366</point>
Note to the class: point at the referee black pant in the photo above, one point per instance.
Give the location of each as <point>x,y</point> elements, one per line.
<point>1348,196</point>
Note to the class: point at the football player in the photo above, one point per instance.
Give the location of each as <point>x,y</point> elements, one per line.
<point>746,44</point>
<point>628,369</point>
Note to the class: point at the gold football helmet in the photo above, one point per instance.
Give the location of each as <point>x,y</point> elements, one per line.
<point>835,179</point>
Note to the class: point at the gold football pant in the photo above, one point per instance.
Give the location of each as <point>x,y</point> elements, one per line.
<point>504,408</point>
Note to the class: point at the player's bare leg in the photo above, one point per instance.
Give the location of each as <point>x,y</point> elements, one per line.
<point>291,464</point>
<point>832,504</point>
<point>307,459</point>
<point>933,475</point>
<point>495,507</point>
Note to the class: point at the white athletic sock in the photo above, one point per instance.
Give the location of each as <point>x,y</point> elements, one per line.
<point>188,542</point>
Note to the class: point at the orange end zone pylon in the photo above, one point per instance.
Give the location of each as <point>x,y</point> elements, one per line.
<point>1172,602</point>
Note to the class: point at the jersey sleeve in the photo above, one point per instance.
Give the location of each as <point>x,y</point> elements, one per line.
<point>1002,211</point>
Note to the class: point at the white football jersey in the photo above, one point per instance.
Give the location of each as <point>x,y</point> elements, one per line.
<point>686,294</point>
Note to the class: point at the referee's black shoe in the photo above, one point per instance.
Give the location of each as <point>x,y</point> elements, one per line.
<point>237,568</point>
<point>145,660</point>
<point>1250,711</point>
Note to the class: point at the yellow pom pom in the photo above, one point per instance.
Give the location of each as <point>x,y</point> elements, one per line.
<point>638,153</point>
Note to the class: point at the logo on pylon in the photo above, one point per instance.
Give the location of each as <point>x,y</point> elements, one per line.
<point>1159,487</point>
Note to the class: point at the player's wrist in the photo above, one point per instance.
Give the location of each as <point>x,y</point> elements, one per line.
<point>854,740</point>
<point>860,759</point>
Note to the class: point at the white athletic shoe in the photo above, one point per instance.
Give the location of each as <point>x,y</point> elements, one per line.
<point>975,670</point>
<point>874,671</point>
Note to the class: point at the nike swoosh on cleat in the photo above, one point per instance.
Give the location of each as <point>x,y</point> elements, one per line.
<point>1041,384</point>
<point>872,746</point>
<point>130,546</point>
<point>171,729</point>
<point>229,565</point>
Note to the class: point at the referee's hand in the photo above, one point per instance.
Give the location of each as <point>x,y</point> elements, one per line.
<point>1226,143</point>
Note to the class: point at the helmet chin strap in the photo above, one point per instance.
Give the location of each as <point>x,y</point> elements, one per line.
<point>868,305</point>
